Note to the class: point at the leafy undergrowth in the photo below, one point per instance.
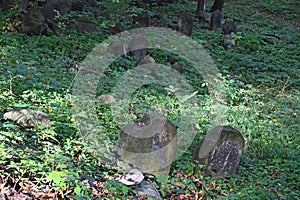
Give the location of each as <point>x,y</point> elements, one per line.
<point>261,77</point>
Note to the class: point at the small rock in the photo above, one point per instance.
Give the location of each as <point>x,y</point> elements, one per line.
<point>135,178</point>
<point>28,118</point>
<point>106,99</point>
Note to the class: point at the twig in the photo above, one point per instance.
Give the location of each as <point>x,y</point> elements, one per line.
<point>284,86</point>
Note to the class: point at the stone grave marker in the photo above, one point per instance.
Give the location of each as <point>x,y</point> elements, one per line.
<point>138,47</point>
<point>148,144</point>
<point>220,151</point>
<point>229,27</point>
<point>216,20</point>
<point>185,24</point>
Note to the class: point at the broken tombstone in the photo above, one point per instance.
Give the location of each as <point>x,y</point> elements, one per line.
<point>185,24</point>
<point>148,144</point>
<point>220,151</point>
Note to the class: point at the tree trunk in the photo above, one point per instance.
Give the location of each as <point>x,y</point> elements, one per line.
<point>218,5</point>
<point>200,8</point>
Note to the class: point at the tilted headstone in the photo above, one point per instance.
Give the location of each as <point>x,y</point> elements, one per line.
<point>138,47</point>
<point>220,151</point>
<point>149,144</point>
<point>185,24</point>
<point>216,20</point>
<point>229,27</point>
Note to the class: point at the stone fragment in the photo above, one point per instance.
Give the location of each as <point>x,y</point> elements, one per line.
<point>28,118</point>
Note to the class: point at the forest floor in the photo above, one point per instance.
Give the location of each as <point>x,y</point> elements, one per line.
<point>261,77</point>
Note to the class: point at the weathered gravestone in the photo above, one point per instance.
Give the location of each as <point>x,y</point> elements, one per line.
<point>149,144</point>
<point>220,151</point>
<point>33,22</point>
<point>185,24</point>
<point>138,47</point>
<point>216,20</point>
<point>229,27</point>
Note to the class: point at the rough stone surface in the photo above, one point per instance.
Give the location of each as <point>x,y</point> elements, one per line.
<point>149,144</point>
<point>106,99</point>
<point>185,24</point>
<point>220,151</point>
<point>28,118</point>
